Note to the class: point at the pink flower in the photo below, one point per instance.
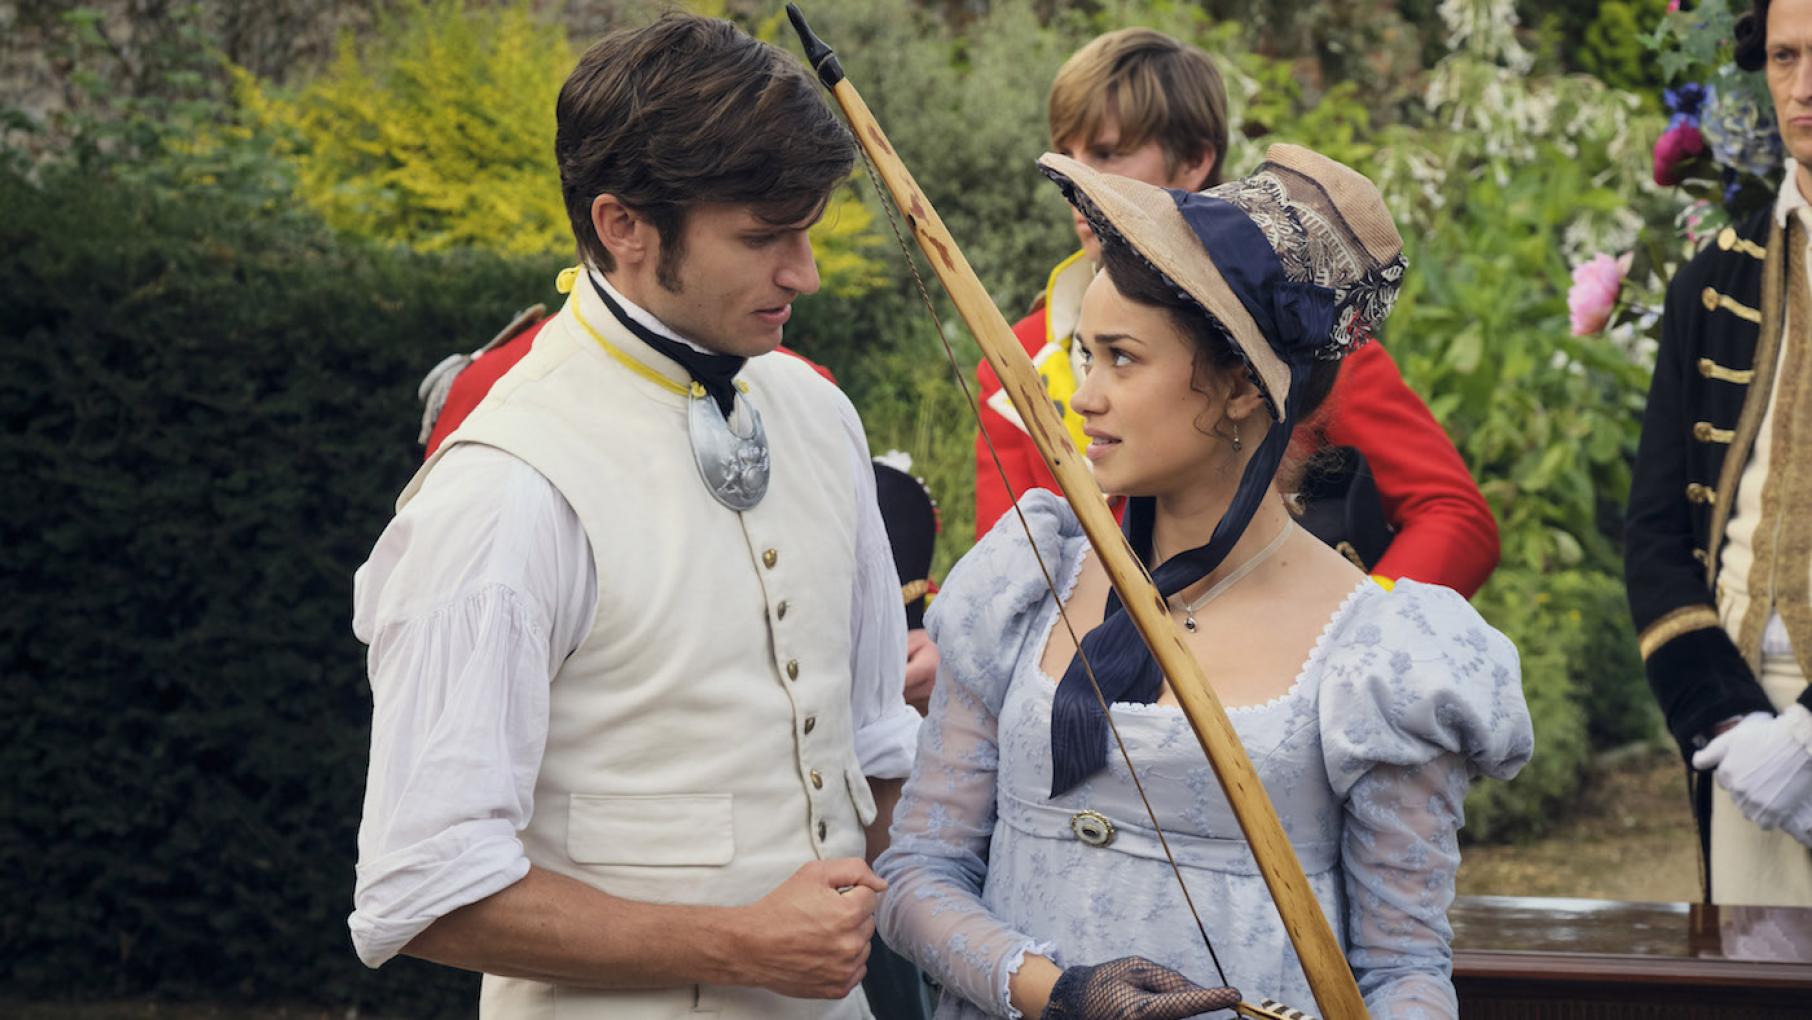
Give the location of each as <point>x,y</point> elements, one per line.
<point>1594,292</point>
<point>1673,6</point>
<point>1675,146</point>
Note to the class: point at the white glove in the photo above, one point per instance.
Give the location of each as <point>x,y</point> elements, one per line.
<point>1765,763</point>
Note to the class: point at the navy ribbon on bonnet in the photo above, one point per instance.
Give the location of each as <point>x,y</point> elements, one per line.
<point>1296,318</point>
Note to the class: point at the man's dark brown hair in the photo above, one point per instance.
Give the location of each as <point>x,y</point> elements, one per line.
<point>692,109</point>
<point>1752,37</point>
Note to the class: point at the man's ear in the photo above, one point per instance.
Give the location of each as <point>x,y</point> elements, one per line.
<point>623,233</point>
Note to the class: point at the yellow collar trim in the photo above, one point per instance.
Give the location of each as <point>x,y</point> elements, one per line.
<point>564,283</point>
<point>694,390</point>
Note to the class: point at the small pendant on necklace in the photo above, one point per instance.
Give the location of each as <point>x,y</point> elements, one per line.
<point>1189,624</point>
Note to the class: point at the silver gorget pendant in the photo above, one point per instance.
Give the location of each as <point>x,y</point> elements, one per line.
<point>732,455</point>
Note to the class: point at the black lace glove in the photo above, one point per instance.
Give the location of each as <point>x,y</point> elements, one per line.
<point>1131,988</point>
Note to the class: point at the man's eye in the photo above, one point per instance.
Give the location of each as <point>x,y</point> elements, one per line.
<point>758,240</point>
<point>1783,56</point>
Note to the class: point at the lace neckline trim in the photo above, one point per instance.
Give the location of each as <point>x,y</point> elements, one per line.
<point>1317,652</point>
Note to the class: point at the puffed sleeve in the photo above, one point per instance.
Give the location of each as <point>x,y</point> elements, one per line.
<point>933,910</point>
<point>1419,695</point>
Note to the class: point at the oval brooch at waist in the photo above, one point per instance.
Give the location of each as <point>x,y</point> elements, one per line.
<point>1092,827</point>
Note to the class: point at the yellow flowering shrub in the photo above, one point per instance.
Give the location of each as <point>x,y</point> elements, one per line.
<point>438,133</point>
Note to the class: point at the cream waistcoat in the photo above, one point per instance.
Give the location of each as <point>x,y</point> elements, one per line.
<point>700,743</point>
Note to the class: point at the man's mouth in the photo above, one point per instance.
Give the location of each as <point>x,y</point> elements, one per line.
<point>775,316</point>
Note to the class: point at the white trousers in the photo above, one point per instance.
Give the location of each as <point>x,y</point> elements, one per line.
<point>1751,867</point>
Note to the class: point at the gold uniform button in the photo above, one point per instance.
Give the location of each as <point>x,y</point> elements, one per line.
<point>1726,238</point>
<point>780,610</point>
<point>817,780</point>
<point>1710,297</point>
<point>822,830</point>
<point>1702,431</point>
<point>811,723</point>
<point>769,558</point>
<point>792,669</point>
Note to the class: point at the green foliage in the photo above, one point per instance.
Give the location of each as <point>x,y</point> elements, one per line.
<point>1577,646</point>
<point>1612,48</point>
<point>207,413</point>
<point>438,133</point>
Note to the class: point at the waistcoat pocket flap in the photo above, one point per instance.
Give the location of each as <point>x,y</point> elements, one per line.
<point>859,792</point>
<point>663,830</point>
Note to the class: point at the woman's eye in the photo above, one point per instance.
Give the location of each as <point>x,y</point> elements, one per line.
<point>1121,359</point>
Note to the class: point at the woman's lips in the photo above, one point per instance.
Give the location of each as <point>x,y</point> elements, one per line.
<point>1100,446</point>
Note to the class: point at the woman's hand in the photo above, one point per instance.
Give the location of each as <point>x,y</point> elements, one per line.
<point>1130,988</point>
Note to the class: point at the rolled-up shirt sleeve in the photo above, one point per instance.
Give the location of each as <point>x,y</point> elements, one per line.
<point>471,599</point>
<point>886,728</point>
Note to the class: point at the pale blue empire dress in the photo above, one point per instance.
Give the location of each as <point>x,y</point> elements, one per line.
<point>1407,696</point>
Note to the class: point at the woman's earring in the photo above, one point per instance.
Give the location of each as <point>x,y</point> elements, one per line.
<point>1237,445</point>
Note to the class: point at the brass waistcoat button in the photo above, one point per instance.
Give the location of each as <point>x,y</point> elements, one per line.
<point>811,723</point>
<point>792,669</point>
<point>817,780</point>
<point>769,558</point>
<point>780,610</point>
<point>822,830</point>
<point>1092,828</point>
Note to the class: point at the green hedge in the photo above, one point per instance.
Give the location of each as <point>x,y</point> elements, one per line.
<point>208,411</point>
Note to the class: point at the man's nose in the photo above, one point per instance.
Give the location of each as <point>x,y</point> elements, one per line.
<point>798,270</point>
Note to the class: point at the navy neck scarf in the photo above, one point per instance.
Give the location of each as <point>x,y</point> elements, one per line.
<point>715,372</point>
<point>1296,319</point>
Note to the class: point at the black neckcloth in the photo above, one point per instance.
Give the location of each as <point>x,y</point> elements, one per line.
<point>715,372</point>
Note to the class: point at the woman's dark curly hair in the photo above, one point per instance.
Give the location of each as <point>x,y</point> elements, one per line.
<point>1752,37</point>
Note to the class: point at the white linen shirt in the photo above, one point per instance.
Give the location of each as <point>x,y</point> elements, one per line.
<point>472,598</point>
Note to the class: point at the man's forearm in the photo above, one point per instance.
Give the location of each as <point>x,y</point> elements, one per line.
<point>887,794</point>
<point>551,928</point>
